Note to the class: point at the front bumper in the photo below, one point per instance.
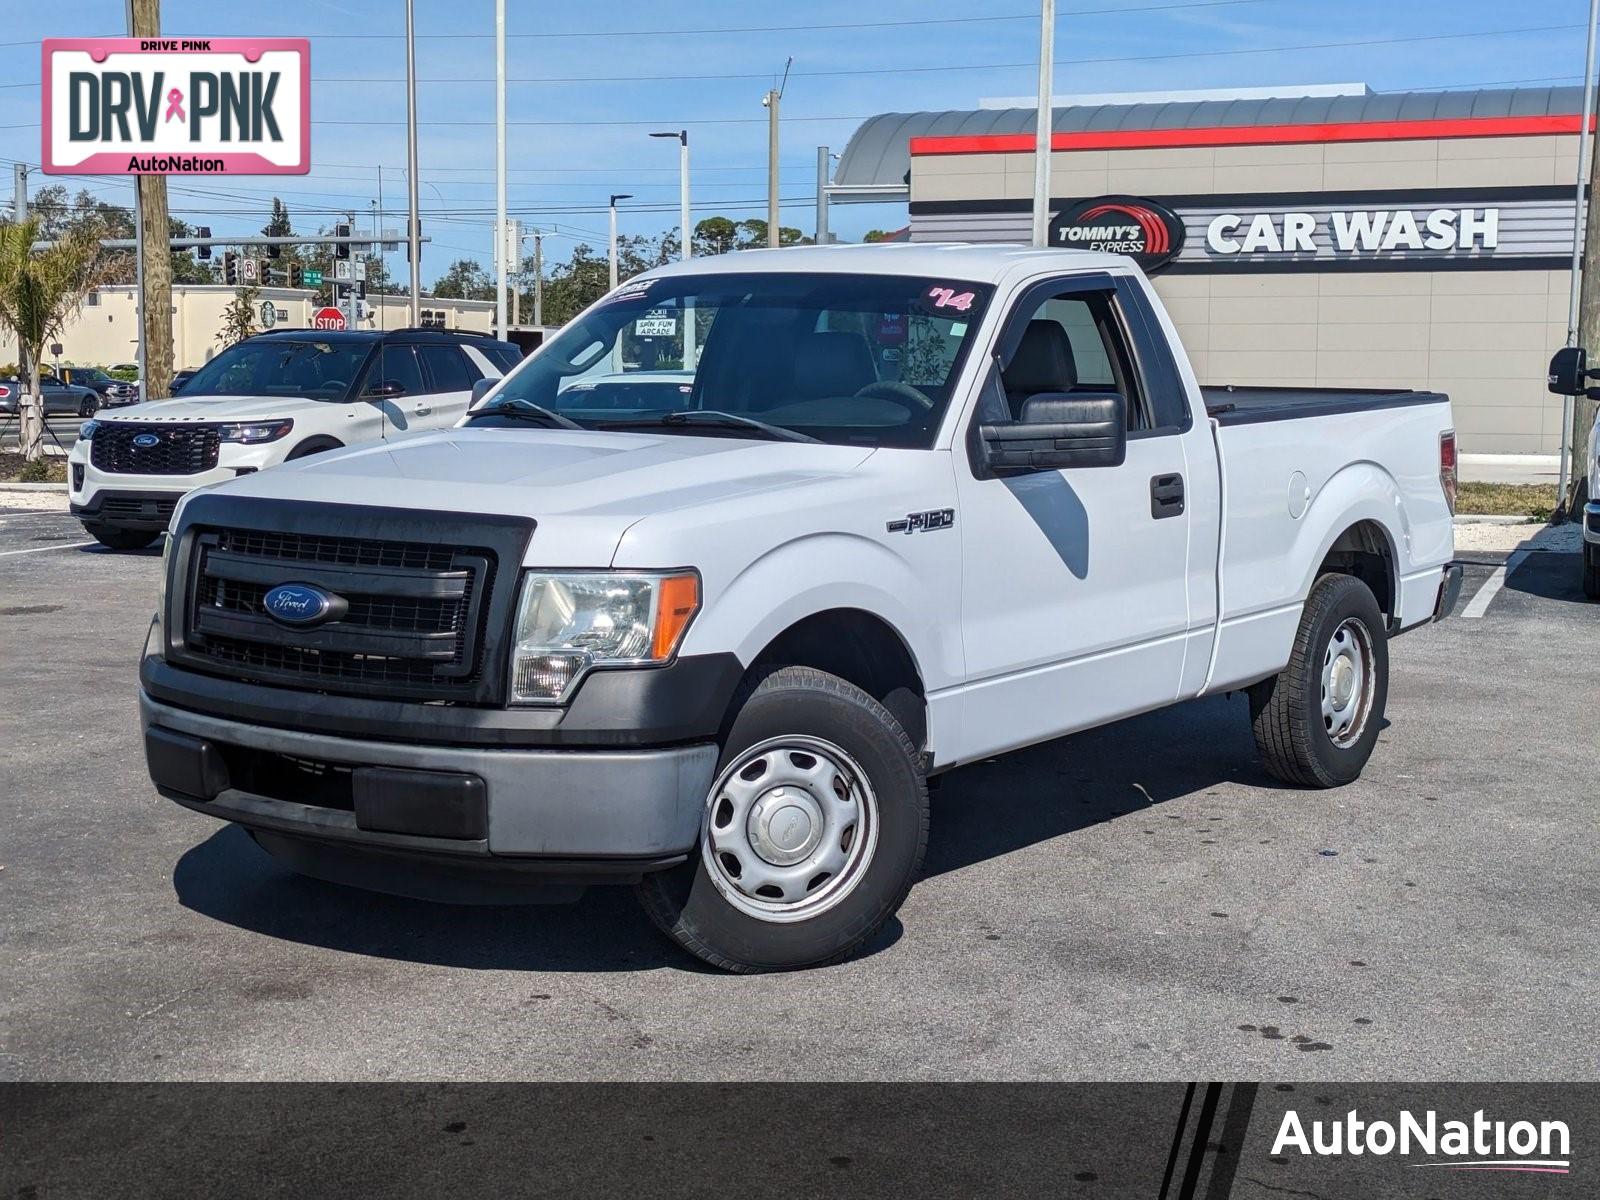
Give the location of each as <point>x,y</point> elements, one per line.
<point>90,490</point>
<point>389,807</point>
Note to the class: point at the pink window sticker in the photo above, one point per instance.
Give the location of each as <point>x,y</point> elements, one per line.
<point>948,298</point>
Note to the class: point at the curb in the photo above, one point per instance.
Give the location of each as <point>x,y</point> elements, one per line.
<point>34,487</point>
<point>1484,519</point>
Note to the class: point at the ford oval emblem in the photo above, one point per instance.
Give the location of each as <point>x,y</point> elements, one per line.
<point>297,604</point>
<point>145,440</point>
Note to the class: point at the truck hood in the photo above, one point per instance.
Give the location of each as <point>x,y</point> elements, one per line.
<point>223,408</point>
<point>584,489</point>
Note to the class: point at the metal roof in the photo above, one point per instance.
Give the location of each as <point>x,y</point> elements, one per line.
<point>878,153</point>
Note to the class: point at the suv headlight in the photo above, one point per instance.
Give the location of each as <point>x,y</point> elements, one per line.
<point>86,430</point>
<point>570,622</point>
<point>255,431</point>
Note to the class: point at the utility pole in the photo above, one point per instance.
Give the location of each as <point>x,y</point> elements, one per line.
<point>514,269</point>
<point>822,196</point>
<point>155,291</point>
<point>502,240</point>
<point>19,214</point>
<point>414,226</point>
<point>772,99</point>
<point>1044,123</point>
<point>1583,319</point>
<point>538,279</point>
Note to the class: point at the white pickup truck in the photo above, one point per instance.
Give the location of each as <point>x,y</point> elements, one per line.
<point>913,507</point>
<point>265,400</point>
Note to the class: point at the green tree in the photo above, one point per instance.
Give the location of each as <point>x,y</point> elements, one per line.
<point>465,280</point>
<point>239,317</point>
<point>715,235</point>
<point>39,291</point>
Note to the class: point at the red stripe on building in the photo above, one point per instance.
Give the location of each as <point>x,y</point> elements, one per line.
<point>1254,135</point>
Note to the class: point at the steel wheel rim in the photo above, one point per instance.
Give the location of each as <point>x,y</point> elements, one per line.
<point>1349,680</point>
<point>790,827</point>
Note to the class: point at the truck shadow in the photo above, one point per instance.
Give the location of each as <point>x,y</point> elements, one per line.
<point>995,807</point>
<point>1549,576</point>
<point>228,878</point>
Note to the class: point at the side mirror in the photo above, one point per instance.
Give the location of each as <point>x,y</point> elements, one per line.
<point>385,390</point>
<point>1569,369</point>
<point>1059,430</point>
<point>481,388</point>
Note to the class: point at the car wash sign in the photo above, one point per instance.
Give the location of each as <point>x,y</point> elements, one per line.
<point>177,106</point>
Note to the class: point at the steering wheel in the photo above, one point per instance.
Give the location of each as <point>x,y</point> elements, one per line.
<point>894,389</point>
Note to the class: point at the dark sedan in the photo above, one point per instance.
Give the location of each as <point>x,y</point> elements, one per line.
<point>66,399</point>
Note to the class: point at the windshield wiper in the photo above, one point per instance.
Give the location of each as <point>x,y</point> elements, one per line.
<point>515,406</point>
<point>712,417</point>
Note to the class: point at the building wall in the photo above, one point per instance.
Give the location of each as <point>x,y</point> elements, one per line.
<point>1484,336</point>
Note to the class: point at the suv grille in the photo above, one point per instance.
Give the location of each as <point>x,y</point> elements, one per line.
<point>411,622</point>
<point>180,450</point>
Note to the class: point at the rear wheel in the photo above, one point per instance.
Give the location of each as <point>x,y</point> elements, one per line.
<point>1591,570</point>
<point>120,539</point>
<point>812,834</point>
<point>87,408</point>
<point>1317,720</point>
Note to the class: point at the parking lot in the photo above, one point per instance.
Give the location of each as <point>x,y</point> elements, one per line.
<point>1135,902</point>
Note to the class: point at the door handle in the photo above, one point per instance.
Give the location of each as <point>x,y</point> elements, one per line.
<point>422,410</point>
<point>1166,496</point>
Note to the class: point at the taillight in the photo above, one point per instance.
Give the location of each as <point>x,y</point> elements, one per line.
<point>1447,467</point>
<point>4,391</point>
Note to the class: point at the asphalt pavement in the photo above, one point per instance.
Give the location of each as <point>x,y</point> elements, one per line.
<point>1136,902</point>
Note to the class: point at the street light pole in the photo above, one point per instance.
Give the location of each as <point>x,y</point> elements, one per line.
<point>822,196</point>
<point>413,231</point>
<point>1570,437</point>
<point>1044,122</point>
<point>772,99</point>
<point>612,207</point>
<point>538,279</point>
<point>682,136</point>
<point>500,231</point>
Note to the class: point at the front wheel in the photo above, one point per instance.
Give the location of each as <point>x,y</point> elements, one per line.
<point>87,408</point>
<point>812,833</point>
<point>1317,720</point>
<point>120,539</point>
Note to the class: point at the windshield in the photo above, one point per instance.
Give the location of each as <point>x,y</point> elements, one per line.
<point>849,359</point>
<point>315,370</point>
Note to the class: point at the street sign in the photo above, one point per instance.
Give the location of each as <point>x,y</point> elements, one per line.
<point>311,277</point>
<point>248,270</point>
<point>269,314</point>
<point>328,318</point>
<point>361,270</point>
<point>195,106</point>
<point>341,269</point>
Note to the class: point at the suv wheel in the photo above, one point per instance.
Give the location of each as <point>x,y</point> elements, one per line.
<point>1317,720</point>
<point>812,832</point>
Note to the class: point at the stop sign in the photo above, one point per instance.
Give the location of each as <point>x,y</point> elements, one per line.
<point>327,318</point>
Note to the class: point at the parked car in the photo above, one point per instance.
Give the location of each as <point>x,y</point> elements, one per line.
<point>1570,376</point>
<point>180,380</point>
<point>89,377</point>
<point>718,650</point>
<point>266,400</point>
<point>59,398</point>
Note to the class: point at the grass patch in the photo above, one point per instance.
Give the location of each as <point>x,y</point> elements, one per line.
<point>1537,500</point>
<point>16,469</point>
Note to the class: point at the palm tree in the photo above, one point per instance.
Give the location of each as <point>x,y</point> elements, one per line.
<point>39,290</point>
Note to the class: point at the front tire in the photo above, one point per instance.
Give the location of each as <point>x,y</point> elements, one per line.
<point>1316,722</point>
<point>120,539</point>
<point>88,408</point>
<point>813,831</point>
<point>1591,570</point>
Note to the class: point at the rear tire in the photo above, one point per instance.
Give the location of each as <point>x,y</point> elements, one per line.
<point>813,831</point>
<point>120,539</point>
<point>1591,570</point>
<point>88,408</point>
<point>1316,722</point>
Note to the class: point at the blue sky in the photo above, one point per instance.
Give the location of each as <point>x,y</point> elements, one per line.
<point>573,143</point>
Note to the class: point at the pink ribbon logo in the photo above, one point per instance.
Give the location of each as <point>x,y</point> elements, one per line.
<point>175,105</point>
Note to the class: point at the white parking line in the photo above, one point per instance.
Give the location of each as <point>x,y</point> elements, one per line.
<point>1479,604</point>
<point>42,549</point>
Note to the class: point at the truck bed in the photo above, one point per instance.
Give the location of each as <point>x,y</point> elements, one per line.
<point>1231,404</point>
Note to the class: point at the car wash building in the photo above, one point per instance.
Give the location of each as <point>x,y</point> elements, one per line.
<point>1329,237</point>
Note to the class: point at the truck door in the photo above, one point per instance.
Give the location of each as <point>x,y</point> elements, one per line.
<point>1074,582</point>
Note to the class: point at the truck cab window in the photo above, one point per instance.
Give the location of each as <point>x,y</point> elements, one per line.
<point>1074,342</point>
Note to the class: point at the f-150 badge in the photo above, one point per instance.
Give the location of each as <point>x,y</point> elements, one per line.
<point>924,522</point>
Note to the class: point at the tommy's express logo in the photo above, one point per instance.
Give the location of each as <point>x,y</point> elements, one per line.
<point>1127,225</point>
<point>1481,1144</point>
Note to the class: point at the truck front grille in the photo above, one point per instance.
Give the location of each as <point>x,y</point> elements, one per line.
<point>177,450</point>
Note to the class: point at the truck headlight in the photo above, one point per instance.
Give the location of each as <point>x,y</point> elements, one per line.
<point>255,431</point>
<point>570,622</point>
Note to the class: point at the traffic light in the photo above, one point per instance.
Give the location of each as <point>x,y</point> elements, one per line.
<point>203,252</point>
<point>274,251</point>
<point>230,267</point>
<point>342,249</point>
<point>294,274</point>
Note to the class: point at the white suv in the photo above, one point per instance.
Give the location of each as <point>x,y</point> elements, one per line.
<point>263,401</point>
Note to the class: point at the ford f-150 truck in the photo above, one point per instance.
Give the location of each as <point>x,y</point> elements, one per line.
<point>912,506</point>
<point>265,400</point>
